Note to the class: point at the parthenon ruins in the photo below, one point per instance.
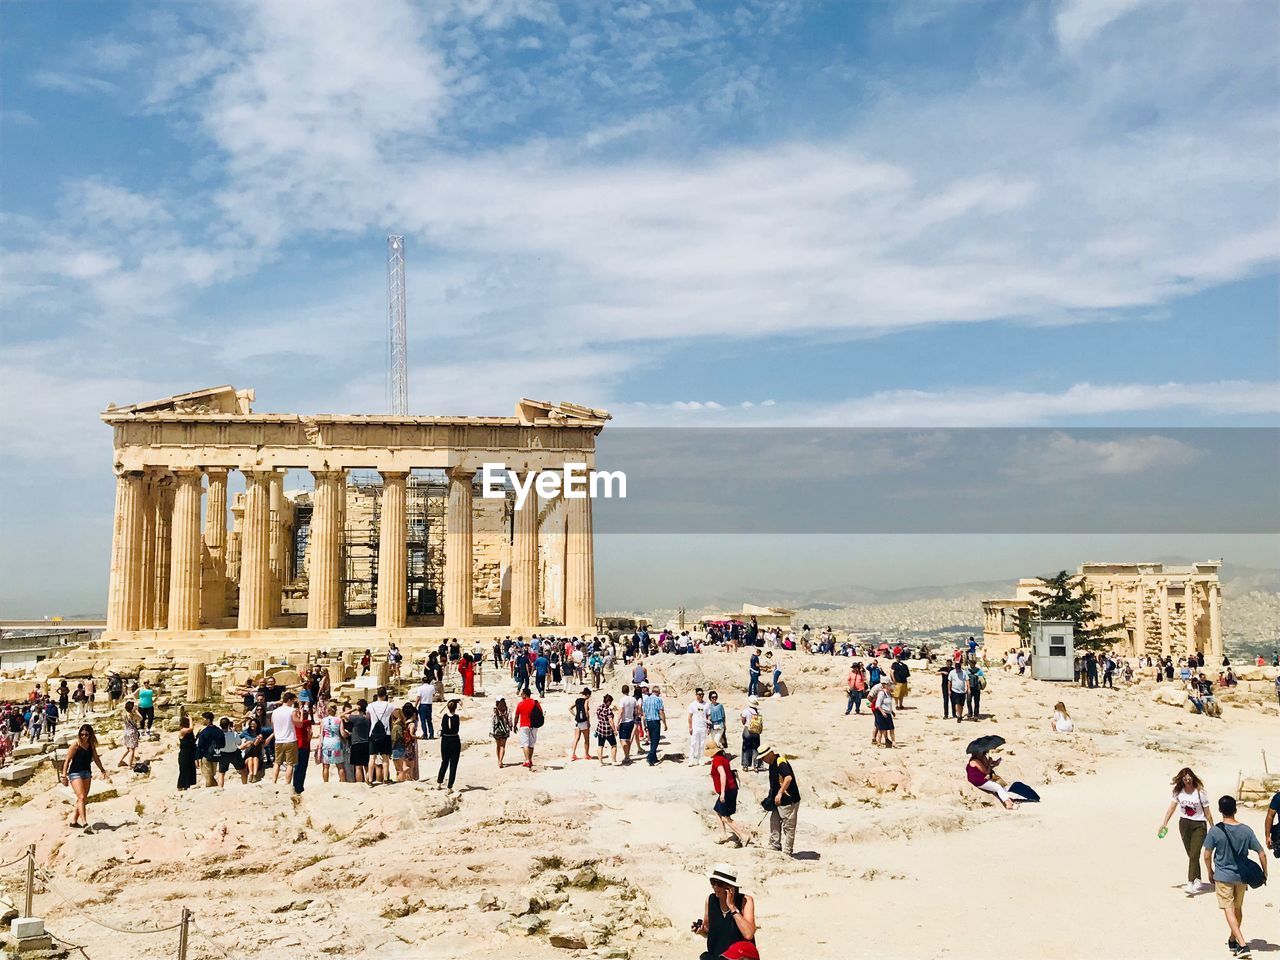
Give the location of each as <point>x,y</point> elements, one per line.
<point>1160,609</point>
<point>384,546</point>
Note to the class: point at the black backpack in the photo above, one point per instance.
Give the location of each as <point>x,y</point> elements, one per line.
<point>536,719</point>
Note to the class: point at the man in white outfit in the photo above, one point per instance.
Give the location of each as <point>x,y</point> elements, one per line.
<point>698,727</point>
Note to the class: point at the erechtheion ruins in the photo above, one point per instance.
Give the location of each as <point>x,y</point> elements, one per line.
<point>373,552</point>
<point>1162,609</point>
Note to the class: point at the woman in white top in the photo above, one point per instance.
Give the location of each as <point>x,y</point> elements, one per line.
<point>1189,797</point>
<point>1062,722</point>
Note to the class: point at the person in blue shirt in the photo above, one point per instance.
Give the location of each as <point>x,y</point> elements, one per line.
<point>716,722</point>
<point>1227,843</point>
<point>753,674</point>
<point>655,720</point>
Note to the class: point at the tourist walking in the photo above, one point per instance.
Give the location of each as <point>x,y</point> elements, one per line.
<point>147,706</point>
<point>450,743</point>
<point>753,673</point>
<point>77,773</point>
<point>729,915</point>
<point>973,697</point>
<point>1226,858</point>
<point>958,682</point>
<point>302,737</point>
<point>606,729</point>
<point>725,786</point>
<point>883,705</point>
<point>655,721</point>
<point>130,735</point>
<point>628,728</point>
<point>856,684</point>
<point>528,719</point>
<point>783,801</point>
<point>467,670</point>
<point>1190,799</point>
<point>945,673</point>
<point>900,673</point>
<point>500,728</point>
<point>698,727</point>
<point>581,714</point>
<point>186,754</point>
<point>752,728</point>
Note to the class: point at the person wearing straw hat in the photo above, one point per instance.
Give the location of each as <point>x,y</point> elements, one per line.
<point>752,727</point>
<point>729,915</point>
<point>725,786</point>
<point>783,801</point>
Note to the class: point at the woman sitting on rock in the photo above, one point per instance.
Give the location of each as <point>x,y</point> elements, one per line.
<point>981,771</point>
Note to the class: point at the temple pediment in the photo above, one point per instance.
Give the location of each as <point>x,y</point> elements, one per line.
<point>527,411</point>
<point>224,399</point>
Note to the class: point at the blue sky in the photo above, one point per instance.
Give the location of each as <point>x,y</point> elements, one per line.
<point>927,212</point>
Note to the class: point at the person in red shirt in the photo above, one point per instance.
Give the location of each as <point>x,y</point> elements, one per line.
<point>526,732</point>
<point>301,730</point>
<point>725,786</point>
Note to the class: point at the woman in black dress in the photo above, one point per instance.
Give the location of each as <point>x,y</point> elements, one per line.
<point>729,916</point>
<point>186,755</point>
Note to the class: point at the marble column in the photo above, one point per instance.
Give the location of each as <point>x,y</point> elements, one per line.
<point>1139,619</point>
<point>184,560</point>
<point>255,552</point>
<point>277,551</point>
<point>235,540</point>
<point>324,600</point>
<point>579,579</point>
<point>147,595</point>
<point>213,596</point>
<point>1166,641</point>
<point>1189,612</point>
<point>1215,620</point>
<point>524,566</point>
<point>123,600</point>
<point>457,551</point>
<point>393,552</point>
<point>164,492</point>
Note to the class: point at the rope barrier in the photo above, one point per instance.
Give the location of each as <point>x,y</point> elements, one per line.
<point>21,859</point>
<point>44,875</point>
<point>209,939</point>
<point>73,946</point>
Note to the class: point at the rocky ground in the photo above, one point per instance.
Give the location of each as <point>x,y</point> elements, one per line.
<point>578,859</point>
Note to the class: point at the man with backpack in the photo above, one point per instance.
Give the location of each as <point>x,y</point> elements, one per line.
<point>1226,858</point>
<point>528,719</point>
<point>752,728</point>
<point>900,672</point>
<point>379,713</point>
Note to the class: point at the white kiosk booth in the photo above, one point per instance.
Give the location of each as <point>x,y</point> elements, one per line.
<point>1053,650</point>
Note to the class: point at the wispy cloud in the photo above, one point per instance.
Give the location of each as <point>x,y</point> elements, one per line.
<point>78,84</point>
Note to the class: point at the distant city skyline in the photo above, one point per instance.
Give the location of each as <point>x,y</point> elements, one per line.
<point>771,213</point>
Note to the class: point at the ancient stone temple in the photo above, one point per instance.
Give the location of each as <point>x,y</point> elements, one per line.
<point>1159,609</point>
<point>370,527</point>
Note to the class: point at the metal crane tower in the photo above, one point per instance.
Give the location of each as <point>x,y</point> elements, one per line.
<point>397,332</point>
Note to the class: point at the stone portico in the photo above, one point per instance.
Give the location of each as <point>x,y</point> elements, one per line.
<point>179,576</point>
<point>1159,609</point>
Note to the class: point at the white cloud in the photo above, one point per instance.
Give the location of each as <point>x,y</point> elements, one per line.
<point>1078,21</point>
<point>77,84</point>
<point>992,406</point>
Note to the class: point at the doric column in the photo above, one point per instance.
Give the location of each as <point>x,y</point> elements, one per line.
<point>1215,620</point>
<point>125,591</point>
<point>1166,641</point>
<point>147,594</point>
<point>393,552</point>
<point>1139,619</point>
<point>277,551</point>
<point>324,600</point>
<point>457,551</point>
<point>255,547</point>
<point>1189,612</point>
<point>184,561</point>
<point>213,596</point>
<point>524,565</point>
<point>235,540</point>
<point>163,500</point>
<point>579,580</point>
